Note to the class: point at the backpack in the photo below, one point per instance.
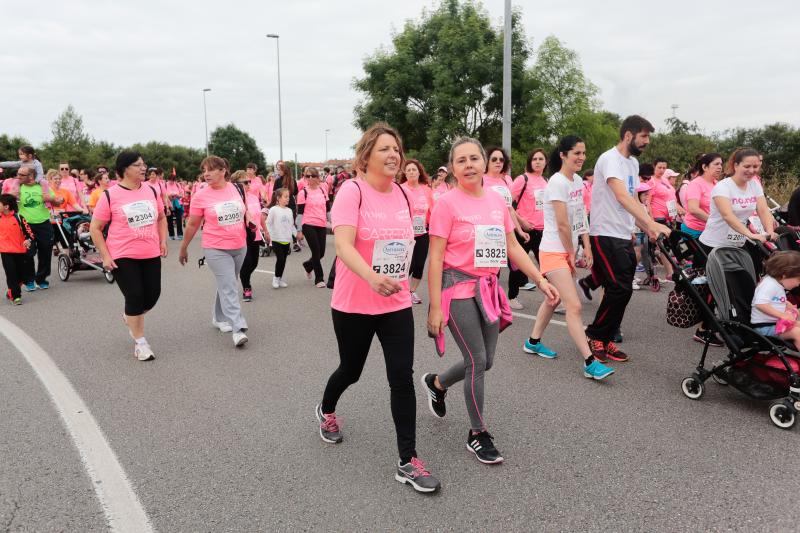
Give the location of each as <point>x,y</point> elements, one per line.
<point>516,202</point>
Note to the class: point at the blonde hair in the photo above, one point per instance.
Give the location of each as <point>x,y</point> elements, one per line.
<point>367,143</point>
<point>50,173</point>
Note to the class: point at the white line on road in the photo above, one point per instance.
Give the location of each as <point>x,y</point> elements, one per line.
<point>531,317</point>
<point>265,271</point>
<point>120,504</point>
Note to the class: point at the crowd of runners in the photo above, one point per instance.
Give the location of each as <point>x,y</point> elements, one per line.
<point>391,221</point>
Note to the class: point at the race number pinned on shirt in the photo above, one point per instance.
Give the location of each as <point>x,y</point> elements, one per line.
<point>392,257</point>
<point>419,225</point>
<point>672,208</point>
<point>490,246</point>
<point>229,213</point>
<point>580,224</point>
<point>139,214</point>
<point>734,238</point>
<point>503,191</point>
<point>756,224</point>
<point>538,196</point>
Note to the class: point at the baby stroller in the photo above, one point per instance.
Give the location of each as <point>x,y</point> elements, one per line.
<point>763,368</point>
<point>74,246</point>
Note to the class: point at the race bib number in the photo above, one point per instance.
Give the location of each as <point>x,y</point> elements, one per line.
<point>504,192</point>
<point>139,214</point>
<point>756,224</point>
<point>734,238</point>
<point>419,225</point>
<point>538,196</point>
<point>490,246</point>
<point>392,257</point>
<point>229,213</point>
<point>580,224</point>
<point>672,208</point>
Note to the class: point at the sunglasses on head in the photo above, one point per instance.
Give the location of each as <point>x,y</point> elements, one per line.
<point>498,159</point>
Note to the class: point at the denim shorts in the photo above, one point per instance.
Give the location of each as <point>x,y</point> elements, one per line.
<point>767,331</point>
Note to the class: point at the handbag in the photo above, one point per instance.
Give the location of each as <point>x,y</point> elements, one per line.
<point>683,310</point>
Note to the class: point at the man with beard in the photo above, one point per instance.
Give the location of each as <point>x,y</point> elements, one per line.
<point>615,213</point>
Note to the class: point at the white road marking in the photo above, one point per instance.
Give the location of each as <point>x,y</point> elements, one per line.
<point>531,317</point>
<point>265,271</point>
<point>120,504</point>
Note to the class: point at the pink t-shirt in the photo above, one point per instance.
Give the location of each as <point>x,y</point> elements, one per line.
<point>698,189</point>
<point>315,209</point>
<point>74,186</point>
<point>133,231</point>
<point>11,186</point>
<point>382,216</point>
<point>526,206</point>
<point>256,186</point>
<point>660,194</point>
<point>421,198</point>
<point>223,214</point>
<point>439,190</point>
<point>254,210</point>
<point>174,189</point>
<point>455,217</point>
<point>587,194</point>
<point>501,186</point>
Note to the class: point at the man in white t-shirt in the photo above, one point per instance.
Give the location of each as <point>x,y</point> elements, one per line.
<point>616,212</point>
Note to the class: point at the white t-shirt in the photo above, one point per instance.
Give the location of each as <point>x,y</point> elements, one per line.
<point>743,202</point>
<point>769,291</point>
<point>570,191</point>
<point>609,218</point>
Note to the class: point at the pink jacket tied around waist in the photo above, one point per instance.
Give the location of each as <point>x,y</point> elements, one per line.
<point>489,295</point>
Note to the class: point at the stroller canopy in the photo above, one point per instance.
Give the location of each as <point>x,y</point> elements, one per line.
<point>732,281</point>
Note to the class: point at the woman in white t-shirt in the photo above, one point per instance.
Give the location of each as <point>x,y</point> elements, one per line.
<point>565,222</point>
<point>733,201</point>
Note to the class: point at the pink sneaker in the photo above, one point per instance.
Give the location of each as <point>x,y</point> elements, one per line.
<point>415,299</point>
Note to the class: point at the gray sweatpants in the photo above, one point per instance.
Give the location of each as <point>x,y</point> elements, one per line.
<point>226,264</point>
<point>477,341</point>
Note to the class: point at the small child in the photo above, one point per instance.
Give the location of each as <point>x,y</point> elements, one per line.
<point>772,315</point>
<point>280,229</point>
<point>15,241</point>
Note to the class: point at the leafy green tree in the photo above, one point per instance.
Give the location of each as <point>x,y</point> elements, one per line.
<point>237,146</point>
<point>443,79</point>
<point>679,144</point>
<point>69,143</point>
<point>9,146</point>
<point>186,161</point>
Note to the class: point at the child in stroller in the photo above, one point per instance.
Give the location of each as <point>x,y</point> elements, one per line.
<point>75,248</point>
<point>760,366</point>
<point>772,314</point>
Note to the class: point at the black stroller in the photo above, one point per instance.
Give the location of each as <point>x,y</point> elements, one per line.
<point>763,368</point>
<point>74,247</point>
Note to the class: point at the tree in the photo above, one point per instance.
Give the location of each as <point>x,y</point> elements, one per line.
<point>186,161</point>
<point>443,79</point>
<point>238,147</point>
<point>69,143</point>
<point>562,86</point>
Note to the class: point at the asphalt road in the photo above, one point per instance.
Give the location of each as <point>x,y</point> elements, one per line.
<point>218,439</point>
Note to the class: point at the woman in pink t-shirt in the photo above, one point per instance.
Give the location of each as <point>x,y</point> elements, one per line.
<point>698,194</point>
<point>220,208</point>
<point>175,192</point>
<point>414,181</point>
<point>255,232</point>
<point>312,211</point>
<point>439,184</point>
<point>136,242</point>
<point>371,220</point>
<point>472,236</point>
<point>527,193</point>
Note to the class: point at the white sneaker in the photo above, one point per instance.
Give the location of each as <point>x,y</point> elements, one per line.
<point>276,281</point>
<point>283,283</point>
<point>143,352</point>
<point>321,285</point>
<point>224,327</point>
<point>514,304</point>
<point>635,285</point>
<point>239,338</point>
<point>530,286</point>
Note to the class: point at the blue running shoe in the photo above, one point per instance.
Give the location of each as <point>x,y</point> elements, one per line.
<point>597,370</point>
<point>539,349</point>
<point>29,287</point>
<point>44,285</point>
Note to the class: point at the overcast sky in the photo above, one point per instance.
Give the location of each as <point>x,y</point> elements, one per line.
<point>135,69</point>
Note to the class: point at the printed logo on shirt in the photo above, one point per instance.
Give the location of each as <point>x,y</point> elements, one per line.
<point>496,214</point>
<point>373,215</point>
<point>382,234</point>
<point>779,299</point>
<point>630,185</point>
<point>493,233</point>
<point>395,249</point>
<point>401,215</point>
<point>744,201</point>
<point>576,194</point>
<point>470,219</point>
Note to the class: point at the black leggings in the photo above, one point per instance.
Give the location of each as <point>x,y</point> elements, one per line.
<point>250,259</point>
<point>175,222</point>
<point>14,266</point>
<point>354,333</point>
<point>281,251</point>
<point>43,235</point>
<point>517,278</point>
<point>140,283</point>
<point>420,255</point>
<point>315,237</point>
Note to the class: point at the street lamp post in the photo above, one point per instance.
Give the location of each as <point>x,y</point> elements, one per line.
<point>326,144</point>
<point>280,118</point>
<point>507,78</point>
<point>205,115</point>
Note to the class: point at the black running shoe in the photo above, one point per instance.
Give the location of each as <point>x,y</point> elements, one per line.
<point>435,396</point>
<point>705,336</point>
<point>482,446</point>
<point>585,290</point>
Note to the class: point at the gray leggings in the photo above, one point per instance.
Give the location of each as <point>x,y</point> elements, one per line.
<point>477,341</point>
<point>226,264</point>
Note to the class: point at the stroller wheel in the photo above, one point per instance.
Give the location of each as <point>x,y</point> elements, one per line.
<point>64,267</point>
<point>692,388</point>
<point>781,415</point>
<point>109,276</point>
